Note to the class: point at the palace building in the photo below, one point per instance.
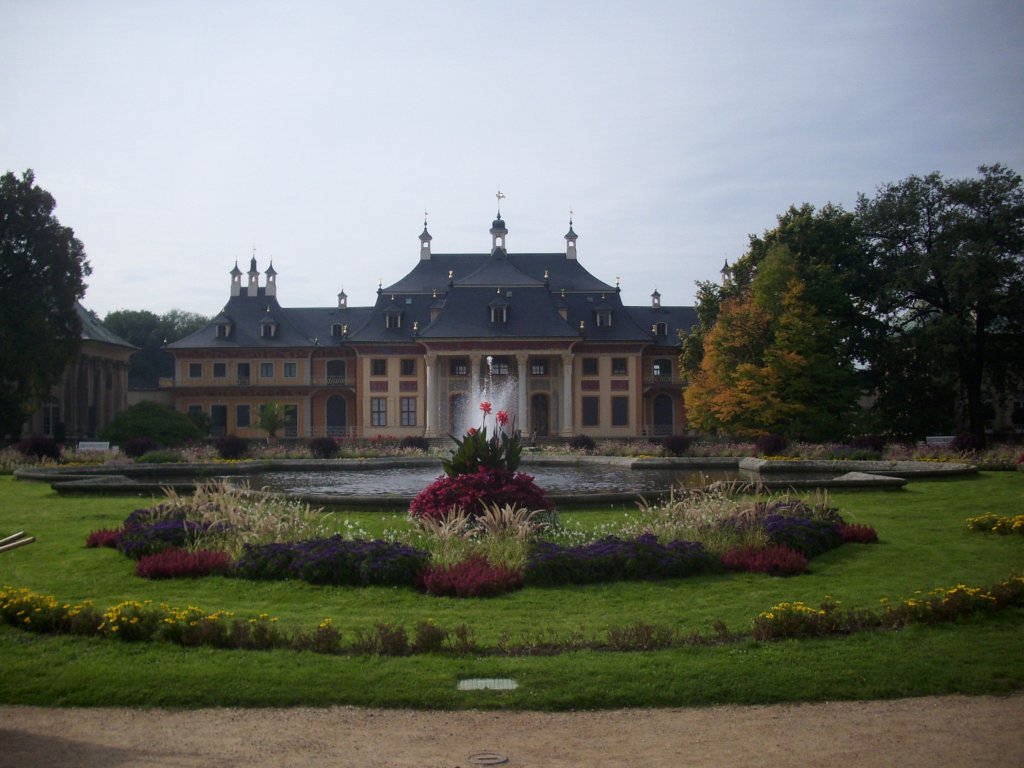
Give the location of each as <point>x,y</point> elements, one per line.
<point>536,325</point>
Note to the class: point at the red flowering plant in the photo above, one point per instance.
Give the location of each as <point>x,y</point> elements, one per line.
<point>480,472</point>
<point>499,451</point>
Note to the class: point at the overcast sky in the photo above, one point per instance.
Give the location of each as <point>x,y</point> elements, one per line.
<point>176,136</point>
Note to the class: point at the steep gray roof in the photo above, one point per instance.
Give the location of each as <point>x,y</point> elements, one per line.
<point>94,330</point>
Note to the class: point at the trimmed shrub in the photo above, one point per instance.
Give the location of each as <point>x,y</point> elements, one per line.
<point>176,563</point>
<point>415,443</point>
<point>854,533</point>
<point>159,423</point>
<point>775,561</point>
<point>474,492</point>
<point>39,447</point>
<point>771,445</point>
<point>809,537</point>
<point>613,559</point>
<point>231,447</point>
<point>676,445</point>
<point>104,537</point>
<point>334,560</point>
<point>324,447</point>
<point>474,577</point>
<point>135,447</point>
<point>582,443</point>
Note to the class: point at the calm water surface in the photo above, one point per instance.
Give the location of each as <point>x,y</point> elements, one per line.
<point>410,481</point>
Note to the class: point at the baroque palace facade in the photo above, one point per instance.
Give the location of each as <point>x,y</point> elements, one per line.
<point>538,326</point>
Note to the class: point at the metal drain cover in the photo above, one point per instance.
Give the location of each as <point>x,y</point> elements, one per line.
<point>488,684</point>
<point>487,758</point>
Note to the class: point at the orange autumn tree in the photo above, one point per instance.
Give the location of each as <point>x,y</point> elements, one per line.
<point>770,364</point>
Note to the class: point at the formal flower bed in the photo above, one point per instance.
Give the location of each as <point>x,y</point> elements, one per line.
<point>1001,524</point>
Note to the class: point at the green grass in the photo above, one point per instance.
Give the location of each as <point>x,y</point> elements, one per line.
<point>924,545</point>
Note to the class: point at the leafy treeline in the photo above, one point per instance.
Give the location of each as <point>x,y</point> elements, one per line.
<point>149,332</point>
<point>912,304</point>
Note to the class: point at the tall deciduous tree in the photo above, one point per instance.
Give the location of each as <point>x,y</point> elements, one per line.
<point>772,363</point>
<point>949,261</point>
<point>149,332</point>
<point>42,271</point>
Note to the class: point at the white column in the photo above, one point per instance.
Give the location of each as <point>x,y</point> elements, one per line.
<point>522,419</point>
<point>567,425</point>
<point>431,415</point>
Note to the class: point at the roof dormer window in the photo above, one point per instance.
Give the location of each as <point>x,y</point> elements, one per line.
<point>499,313</point>
<point>603,318</point>
<point>268,328</point>
<point>336,330</point>
<point>223,330</point>
<point>661,329</point>
<point>393,320</point>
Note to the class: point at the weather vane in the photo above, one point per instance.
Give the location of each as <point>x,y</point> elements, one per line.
<point>500,196</point>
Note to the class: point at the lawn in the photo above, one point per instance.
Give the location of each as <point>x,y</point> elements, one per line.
<point>924,545</point>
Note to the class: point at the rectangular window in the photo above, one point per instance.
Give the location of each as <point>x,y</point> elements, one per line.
<point>243,373</point>
<point>195,410</point>
<point>408,367</point>
<point>266,370</point>
<point>591,410</point>
<point>195,370</point>
<point>378,367</point>
<point>243,417</point>
<point>378,411</point>
<point>393,321</point>
<point>620,411</point>
<point>539,367</point>
<point>619,366</point>
<point>291,421</point>
<point>408,411</point>
<point>590,366</point>
<point>222,331</point>
<point>499,366</point>
<point>220,370</point>
<point>459,366</point>
<point>291,370</point>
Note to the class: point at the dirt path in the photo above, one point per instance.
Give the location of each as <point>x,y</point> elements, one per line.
<point>911,733</point>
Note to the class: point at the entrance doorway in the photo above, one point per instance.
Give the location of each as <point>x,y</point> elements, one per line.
<point>540,416</point>
<point>663,416</point>
<point>337,416</point>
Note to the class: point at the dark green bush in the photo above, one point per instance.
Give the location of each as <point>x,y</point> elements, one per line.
<point>39,447</point>
<point>159,423</point>
<point>324,447</point>
<point>231,446</point>
<point>415,442</point>
<point>135,447</point>
<point>675,445</point>
<point>771,445</point>
<point>582,443</point>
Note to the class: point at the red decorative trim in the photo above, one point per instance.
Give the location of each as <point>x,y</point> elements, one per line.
<point>378,386</point>
<point>620,385</point>
<point>590,385</point>
<point>408,386</point>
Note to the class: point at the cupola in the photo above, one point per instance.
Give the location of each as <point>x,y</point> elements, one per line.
<point>342,299</point>
<point>655,299</point>
<point>570,242</point>
<point>425,239</point>
<point>254,278</point>
<point>499,232</point>
<point>236,280</point>
<point>271,274</point>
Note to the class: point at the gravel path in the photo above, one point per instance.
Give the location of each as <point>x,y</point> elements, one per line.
<point>910,733</point>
